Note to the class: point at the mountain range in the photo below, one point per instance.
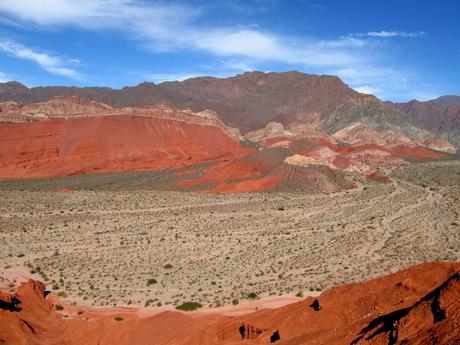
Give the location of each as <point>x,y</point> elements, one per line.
<point>255,131</point>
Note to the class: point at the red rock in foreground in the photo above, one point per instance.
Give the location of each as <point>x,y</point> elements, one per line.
<point>420,305</point>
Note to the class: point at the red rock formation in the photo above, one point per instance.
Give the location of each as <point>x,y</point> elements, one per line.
<point>420,305</point>
<point>154,140</point>
<point>69,135</point>
<point>416,153</point>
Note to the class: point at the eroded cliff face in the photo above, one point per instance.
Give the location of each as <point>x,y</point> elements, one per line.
<point>419,305</point>
<point>72,136</point>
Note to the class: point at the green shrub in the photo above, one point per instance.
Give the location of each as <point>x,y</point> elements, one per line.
<point>299,294</point>
<point>148,302</point>
<point>235,301</point>
<point>167,266</point>
<point>252,295</point>
<point>189,306</point>
<point>118,318</point>
<point>59,307</point>
<point>151,281</point>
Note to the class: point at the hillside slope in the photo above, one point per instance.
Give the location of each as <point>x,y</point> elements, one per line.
<point>442,116</point>
<point>67,136</point>
<point>419,305</point>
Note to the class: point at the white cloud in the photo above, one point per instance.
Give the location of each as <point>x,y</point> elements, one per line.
<point>166,27</point>
<point>388,83</point>
<point>162,77</point>
<point>367,89</point>
<point>386,34</point>
<point>238,65</point>
<point>163,26</point>
<point>52,64</point>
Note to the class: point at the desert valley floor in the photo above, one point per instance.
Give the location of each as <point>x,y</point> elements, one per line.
<point>144,247</point>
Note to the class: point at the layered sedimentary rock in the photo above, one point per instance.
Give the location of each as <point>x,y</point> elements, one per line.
<point>71,136</point>
<point>301,130</point>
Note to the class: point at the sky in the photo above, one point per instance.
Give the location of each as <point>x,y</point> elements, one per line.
<point>396,49</point>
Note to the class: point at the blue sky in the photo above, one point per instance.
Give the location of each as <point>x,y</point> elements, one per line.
<point>396,49</point>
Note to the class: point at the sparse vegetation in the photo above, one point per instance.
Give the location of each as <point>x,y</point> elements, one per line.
<point>151,281</point>
<point>189,306</point>
<point>214,249</point>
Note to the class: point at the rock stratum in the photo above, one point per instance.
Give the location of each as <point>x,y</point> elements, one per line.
<point>419,305</point>
<point>255,131</point>
<point>69,135</point>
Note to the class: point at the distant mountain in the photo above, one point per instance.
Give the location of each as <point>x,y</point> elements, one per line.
<point>248,101</point>
<point>442,116</point>
<point>293,129</point>
<point>446,101</point>
<point>252,100</point>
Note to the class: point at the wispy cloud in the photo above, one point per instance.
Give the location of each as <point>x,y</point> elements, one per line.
<point>166,27</point>
<point>171,27</point>
<point>50,63</point>
<point>162,77</point>
<point>387,34</point>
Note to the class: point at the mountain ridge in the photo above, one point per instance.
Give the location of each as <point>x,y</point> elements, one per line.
<point>251,100</point>
<point>303,130</point>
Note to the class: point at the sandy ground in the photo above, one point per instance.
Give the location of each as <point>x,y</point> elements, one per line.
<point>100,248</point>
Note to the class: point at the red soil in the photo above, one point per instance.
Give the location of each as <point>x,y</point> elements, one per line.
<point>341,163</point>
<point>417,153</point>
<point>419,305</point>
<point>377,177</point>
<point>60,147</point>
<point>61,190</point>
<point>261,184</point>
<point>227,171</point>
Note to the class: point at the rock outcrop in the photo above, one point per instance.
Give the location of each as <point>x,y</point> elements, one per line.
<point>419,305</point>
<point>68,135</point>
